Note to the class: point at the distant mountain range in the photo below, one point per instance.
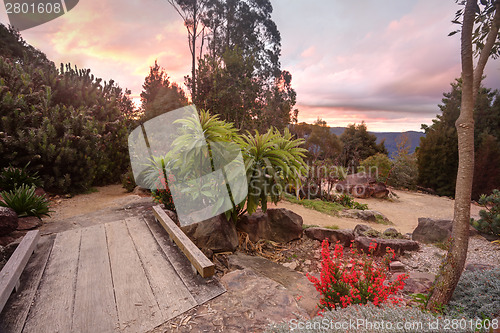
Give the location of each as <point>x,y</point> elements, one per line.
<point>390,138</point>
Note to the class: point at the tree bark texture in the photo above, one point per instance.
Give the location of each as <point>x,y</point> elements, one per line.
<point>452,268</point>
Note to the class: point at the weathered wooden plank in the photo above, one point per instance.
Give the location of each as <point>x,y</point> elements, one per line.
<point>95,307</point>
<point>16,310</point>
<point>204,266</point>
<point>11,272</point>
<point>171,294</point>
<point>202,289</point>
<point>52,310</point>
<point>137,308</point>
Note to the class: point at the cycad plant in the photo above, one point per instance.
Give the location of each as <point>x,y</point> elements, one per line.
<point>25,202</point>
<point>272,162</point>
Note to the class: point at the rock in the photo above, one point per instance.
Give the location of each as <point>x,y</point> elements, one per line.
<point>285,224</point>
<point>256,299</point>
<point>171,214</point>
<point>396,266</point>
<point>359,229</point>
<point>141,191</point>
<point>2,255</point>
<point>344,236</point>
<point>292,265</point>
<point>398,245</point>
<point>41,192</point>
<point>380,191</point>
<point>366,215</point>
<point>478,267</point>
<point>295,282</point>
<point>12,237</point>
<point>217,234</point>
<point>8,221</point>
<point>360,185</point>
<point>362,191</point>
<point>11,247</point>
<point>277,224</point>
<point>417,283</point>
<point>28,223</point>
<point>431,230</point>
<point>392,233</point>
<point>255,225</point>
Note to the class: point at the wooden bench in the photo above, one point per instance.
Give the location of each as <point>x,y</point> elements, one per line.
<point>199,261</point>
<point>11,272</point>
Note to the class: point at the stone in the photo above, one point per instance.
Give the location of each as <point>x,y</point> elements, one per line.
<point>417,282</point>
<point>296,283</point>
<point>431,230</point>
<point>251,302</point>
<point>277,224</point>
<point>292,265</point>
<point>8,221</point>
<point>392,233</point>
<point>216,234</point>
<point>361,185</point>
<point>398,245</point>
<point>11,247</point>
<point>171,214</point>
<point>256,225</point>
<point>285,225</point>
<point>12,237</point>
<point>344,236</point>
<point>478,267</point>
<point>41,192</point>
<point>360,229</point>
<point>380,191</point>
<point>28,223</point>
<point>366,215</point>
<point>396,266</point>
<point>141,191</point>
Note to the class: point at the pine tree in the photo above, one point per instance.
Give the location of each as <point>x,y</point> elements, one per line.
<point>159,95</point>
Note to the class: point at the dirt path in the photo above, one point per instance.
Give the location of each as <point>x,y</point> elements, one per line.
<point>403,211</point>
<point>105,196</point>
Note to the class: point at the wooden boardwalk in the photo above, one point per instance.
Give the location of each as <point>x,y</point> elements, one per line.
<point>123,276</point>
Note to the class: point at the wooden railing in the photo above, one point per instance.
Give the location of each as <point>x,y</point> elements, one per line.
<point>11,272</point>
<point>200,262</point>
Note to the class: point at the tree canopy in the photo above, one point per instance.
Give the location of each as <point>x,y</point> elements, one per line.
<point>438,152</point>
<point>235,65</point>
<point>358,145</point>
<point>159,95</point>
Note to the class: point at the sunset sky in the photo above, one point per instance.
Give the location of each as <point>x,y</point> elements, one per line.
<point>384,62</point>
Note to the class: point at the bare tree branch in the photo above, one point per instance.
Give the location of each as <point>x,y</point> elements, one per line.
<point>486,50</point>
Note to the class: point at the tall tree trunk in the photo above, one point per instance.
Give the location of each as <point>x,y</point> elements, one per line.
<point>193,52</point>
<point>451,270</point>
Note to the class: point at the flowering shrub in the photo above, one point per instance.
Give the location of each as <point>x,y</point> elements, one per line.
<point>162,192</point>
<point>359,282</point>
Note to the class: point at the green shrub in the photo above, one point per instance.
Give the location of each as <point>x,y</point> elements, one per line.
<point>273,161</point>
<point>128,181</point>
<point>163,196</point>
<point>25,202</point>
<point>404,173</point>
<point>489,222</point>
<point>12,178</point>
<point>71,126</point>
<point>377,166</point>
<point>477,294</point>
<point>348,202</point>
<point>411,319</point>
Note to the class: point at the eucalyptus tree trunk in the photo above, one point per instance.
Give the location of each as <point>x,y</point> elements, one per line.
<point>451,270</point>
